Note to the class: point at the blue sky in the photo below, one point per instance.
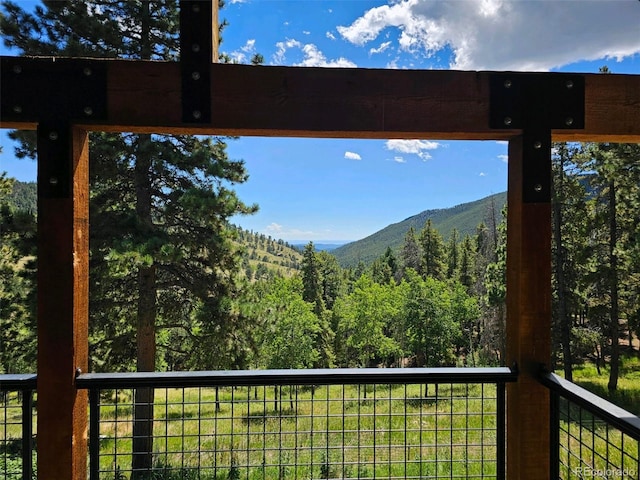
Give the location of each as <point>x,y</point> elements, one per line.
<point>312,189</point>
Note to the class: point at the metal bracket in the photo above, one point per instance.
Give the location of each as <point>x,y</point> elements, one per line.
<point>526,100</point>
<point>196,50</point>
<point>54,160</point>
<point>38,89</point>
<point>536,104</point>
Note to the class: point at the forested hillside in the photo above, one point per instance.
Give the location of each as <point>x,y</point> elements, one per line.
<point>24,196</point>
<point>265,257</point>
<point>464,218</point>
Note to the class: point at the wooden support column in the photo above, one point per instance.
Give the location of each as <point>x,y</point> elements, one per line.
<point>528,324</point>
<point>63,297</point>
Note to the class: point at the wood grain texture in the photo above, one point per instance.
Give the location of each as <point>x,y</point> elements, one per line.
<point>63,313</point>
<point>528,327</point>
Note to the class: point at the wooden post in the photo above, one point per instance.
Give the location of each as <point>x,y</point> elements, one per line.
<point>215,32</point>
<point>63,297</point>
<point>528,325</point>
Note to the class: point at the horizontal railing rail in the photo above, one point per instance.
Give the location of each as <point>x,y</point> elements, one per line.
<point>326,376</point>
<point>591,437</point>
<point>16,435</point>
<point>324,423</point>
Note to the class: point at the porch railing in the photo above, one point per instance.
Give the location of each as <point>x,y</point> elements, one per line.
<point>591,437</point>
<point>16,429</point>
<point>334,423</point>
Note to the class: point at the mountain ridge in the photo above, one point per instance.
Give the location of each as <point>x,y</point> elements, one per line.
<point>465,217</point>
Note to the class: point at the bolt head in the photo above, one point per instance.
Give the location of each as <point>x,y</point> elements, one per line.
<point>53,136</point>
<point>195,8</point>
<point>195,75</point>
<point>88,111</point>
<point>537,144</point>
<point>195,48</point>
<point>197,114</point>
<point>17,109</point>
<point>87,71</point>
<point>568,121</point>
<point>507,83</point>
<point>569,84</point>
<point>508,121</point>
<point>53,181</point>
<point>17,69</point>
<point>537,188</point>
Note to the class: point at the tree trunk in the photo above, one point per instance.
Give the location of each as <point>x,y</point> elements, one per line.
<point>146,320</point>
<point>615,322</point>
<point>142,461</point>
<point>563,317</point>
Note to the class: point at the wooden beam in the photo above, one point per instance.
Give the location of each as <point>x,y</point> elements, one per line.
<point>145,97</point>
<point>63,298</point>
<point>528,326</point>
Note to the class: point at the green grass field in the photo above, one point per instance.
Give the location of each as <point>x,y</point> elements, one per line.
<point>334,432</point>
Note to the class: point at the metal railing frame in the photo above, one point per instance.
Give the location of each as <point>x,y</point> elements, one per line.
<point>94,382</point>
<point>26,384</point>
<point>627,423</point>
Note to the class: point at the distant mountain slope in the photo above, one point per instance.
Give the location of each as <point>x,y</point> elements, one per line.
<point>464,217</point>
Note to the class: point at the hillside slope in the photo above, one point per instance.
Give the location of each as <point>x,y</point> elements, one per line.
<point>464,217</point>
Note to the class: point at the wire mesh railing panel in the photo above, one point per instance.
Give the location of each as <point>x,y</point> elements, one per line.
<point>592,438</point>
<point>17,419</point>
<point>590,447</point>
<point>389,431</point>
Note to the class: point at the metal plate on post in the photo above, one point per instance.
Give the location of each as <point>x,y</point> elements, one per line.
<point>54,160</point>
<point>38,89</point>
<point>531,100</point>
<point>196,50</point>
<point>536,166</point>
<point>536,104</point>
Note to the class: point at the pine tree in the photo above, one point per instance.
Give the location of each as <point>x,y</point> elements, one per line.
<point>411,255</point>
<point>161,251</point>
<point>312,279</point>
<point>467,264</point>
<point>433,264</point>
<point>453,255</point>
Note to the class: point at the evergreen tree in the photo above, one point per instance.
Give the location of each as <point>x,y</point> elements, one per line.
<point>312,279</point>
<point>161,251</point>
<point>568,247</point>
<point>433,258</point>
<point>453,255</point>
<point>385,268</point>
<point>466,274</point>
<point>18,343</point>
<point>411,255</point>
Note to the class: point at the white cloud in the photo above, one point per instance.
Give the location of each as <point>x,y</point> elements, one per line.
<point>274,228</point>
<point>312,57</point>
<point>306,32</point>
<point>243,54</point>
<point>352,156</point>
<point>279,231</point>
<point>399,159</point>
<point>482,174</point>
<point>383,46</point>
<point>414,147</point>
<point>506,34</point>
<point>331,36</point>
<point>502,142</point>
<point>504,158</point>
<point>237,1</point>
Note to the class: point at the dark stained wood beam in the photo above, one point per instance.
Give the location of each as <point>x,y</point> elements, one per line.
<point>528,326</point>
<point>63,302</point>
<point>342,103</point>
